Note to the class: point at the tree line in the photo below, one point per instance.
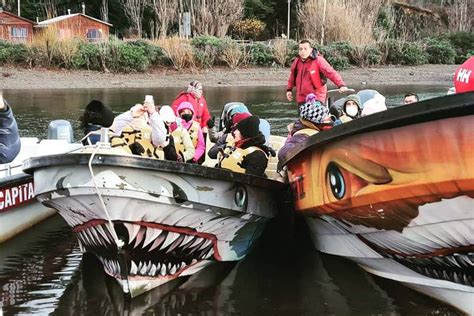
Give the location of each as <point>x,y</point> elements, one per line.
<point>357,21</point>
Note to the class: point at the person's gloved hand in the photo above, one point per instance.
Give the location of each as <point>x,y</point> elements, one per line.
<point>211,122</point>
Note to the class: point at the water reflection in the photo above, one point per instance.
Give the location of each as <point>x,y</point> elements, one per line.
<point>36,266</point>
<point>34,109</point>
<point>42,271</point>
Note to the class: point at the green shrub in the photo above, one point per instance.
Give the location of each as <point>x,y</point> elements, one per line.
<point>463,44</point>
<point>207,50</point>
<point>13,53</point>
<point>132,58</point>
<point>344,48</point>
<point>392,51</point>
<point>154,54</point>
<point>413,54</point>
<point>292,52</point>
<point>440,51</point>
<point>88,57</point>
<point>260,55</point>
<point>366,56</point>
<point>334,57</point>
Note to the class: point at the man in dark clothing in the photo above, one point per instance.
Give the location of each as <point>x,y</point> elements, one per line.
<point>9,136</point>
<point>308,75</point>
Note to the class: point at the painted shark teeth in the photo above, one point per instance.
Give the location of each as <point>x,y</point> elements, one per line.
<point>454,268</point>
<point>152,251</point>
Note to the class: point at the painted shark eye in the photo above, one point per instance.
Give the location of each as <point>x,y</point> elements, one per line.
<point>240,196</point>
<point>336,181</point>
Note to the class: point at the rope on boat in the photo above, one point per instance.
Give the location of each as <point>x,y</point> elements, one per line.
<point>118,241</point>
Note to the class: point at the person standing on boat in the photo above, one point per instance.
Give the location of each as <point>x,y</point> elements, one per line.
<point>194,95</point>
<point>308,75</point>
<point>186,113</point>
<point>96,115</point>
<point>141,128</point>
<point>249,154</point>
<point>9,137</point>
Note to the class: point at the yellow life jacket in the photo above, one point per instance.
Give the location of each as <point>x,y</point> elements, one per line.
<point>194,132</point>
<point>138,137</point>
<point>234,158</point>
<point>178,139</point>
<point>306,131</point>
<point>310,128</point>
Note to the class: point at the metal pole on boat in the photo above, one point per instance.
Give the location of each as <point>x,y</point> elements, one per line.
<point>19,13</point>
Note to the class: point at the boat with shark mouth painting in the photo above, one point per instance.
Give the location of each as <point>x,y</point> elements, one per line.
<point>150,221</point>
<point>394,192</point>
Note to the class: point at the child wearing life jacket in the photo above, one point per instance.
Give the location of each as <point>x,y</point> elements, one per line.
<point>226,139</point>
<point>141,130</point>
<point>313,119</point>
<point>249,154</point>
<point>178,136</point>
<point>186,113</point>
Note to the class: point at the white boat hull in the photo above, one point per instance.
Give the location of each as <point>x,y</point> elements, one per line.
<point>447,278</point>
<point>156,225</point>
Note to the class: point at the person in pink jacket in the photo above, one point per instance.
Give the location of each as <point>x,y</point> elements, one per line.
<point>186,112</point>
<point>193,95</point>
<point>309,73</point>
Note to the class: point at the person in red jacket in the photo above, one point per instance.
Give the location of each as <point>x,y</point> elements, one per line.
<point>193,95</point>
<point>308,75</point>
<point>464,76</point>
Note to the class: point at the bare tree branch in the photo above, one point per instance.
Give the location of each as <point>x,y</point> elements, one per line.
<point>166,12</point>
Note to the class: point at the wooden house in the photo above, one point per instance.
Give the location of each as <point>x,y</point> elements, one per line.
<point>77,25</point>
<point>14,28</point>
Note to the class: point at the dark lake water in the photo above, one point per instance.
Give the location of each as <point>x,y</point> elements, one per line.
<point>43,272</point>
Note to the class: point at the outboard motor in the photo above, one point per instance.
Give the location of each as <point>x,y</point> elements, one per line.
<point>61,129</point>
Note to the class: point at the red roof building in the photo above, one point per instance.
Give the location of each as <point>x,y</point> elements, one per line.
<point>14,28</point>
<point>77,25</point>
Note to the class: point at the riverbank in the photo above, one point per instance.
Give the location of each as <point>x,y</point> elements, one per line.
<point>19,78</point>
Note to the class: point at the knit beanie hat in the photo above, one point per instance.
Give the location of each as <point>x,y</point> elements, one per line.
<point>195,88</point>
<point>239,117</point>
<point>314,113</point>
<point>248,127</point>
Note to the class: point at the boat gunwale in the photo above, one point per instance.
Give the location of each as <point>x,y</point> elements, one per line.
<point>17,178</point>
<point>138,162</point>
<point>443,107</point>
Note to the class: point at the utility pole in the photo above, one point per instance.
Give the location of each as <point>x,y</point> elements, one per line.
<point>324,22</point>
<point>288,23</point>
